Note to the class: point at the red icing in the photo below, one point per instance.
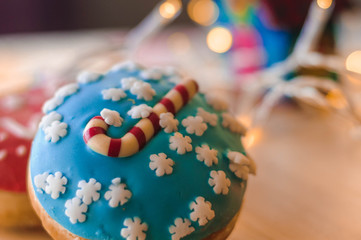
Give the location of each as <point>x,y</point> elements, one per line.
<point>13,166</point>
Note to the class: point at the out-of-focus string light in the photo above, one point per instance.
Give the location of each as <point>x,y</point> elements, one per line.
<point>253,136</point>
<point>219,39</point>
<point>353,62</point>
<point>179,43</point>
<point>324,4</point>
<point>203,12</point>
<point>169,8</point>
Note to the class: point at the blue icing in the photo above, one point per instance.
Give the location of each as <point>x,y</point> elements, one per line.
<point>157,201</point>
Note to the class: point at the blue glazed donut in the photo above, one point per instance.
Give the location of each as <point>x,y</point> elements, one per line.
<point>185,178</point>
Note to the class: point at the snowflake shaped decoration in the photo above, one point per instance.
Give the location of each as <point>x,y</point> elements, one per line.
<point>88,191</point>
<point>219,181</point>
<point>51,104</point>
<point>232,123</point>
<point>117,194</point>
<point>67,90</point>
<point>180,144</point>
<point>128,82</point>
<point>216,102</point>
<point>40,182</point>
<point>55,131</point>
<point>208,117</point>
<point>55,184</point>
<point>140,111</point>
<point>129,66</point>
<point>75,210</point>
<point>87,77</point>
<point>241,165</point>
<point>143,90</point>
<point>202,211</point>
<point>134,229</point>
<point>161,164</point>
<point>48,119</point>
<point>181,228</point>
<point>207,155</point>
<point>115,94</point>
<point>111,117</point>
<point>168,122</point>
<point>152,73</point>
<point>194,125</point>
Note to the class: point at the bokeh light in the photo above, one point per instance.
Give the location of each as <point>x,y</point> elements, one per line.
<point>179,43</point>
<point>203,12</point>
<point>324,4</point>
<point>353,62</point>
<point>169,8</point>
<point>219,39</point>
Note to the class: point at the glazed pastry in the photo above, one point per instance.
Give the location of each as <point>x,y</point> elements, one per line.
<point>19,118</point>
<point>133,155</point>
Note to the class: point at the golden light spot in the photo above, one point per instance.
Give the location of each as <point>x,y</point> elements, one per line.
<point>252,137</point>
<point>324,4</point>
<point>336,99</point>
<point>203,12</point>
<point>219,40</point>
<point>169,8</point>
<point>179,43</point>
<point>353,62</point>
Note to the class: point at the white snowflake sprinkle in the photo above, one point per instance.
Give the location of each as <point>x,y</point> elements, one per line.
<point>55,131</point>
<point>216,102</point>
<point>152,73</point>
<point>67,90</point>
<point>48,119</point>
<point>208,117</point>
<point>219,181</point>
<point>115,94</point>
<point>128,82</point>
<point>88,191</point>
<point>207,155</point>
<point>88,77</point>
<point>3,154</point>
<point>129,66</point>
<point>55,184</point>
<point>40,182</point>
<point>134,229</point>
<point>117,194</point>
<point>140,111</point>
<point>168,122</point>
<point>241,165</point>
<point>143,90</point>
<point>75,210</point>
<point>111,117</point>
<point>180,144</point>
<point>232,123</point>
<point>51,104</point>
<point>20,150</point>
<point>202,211</point>
<point>194,125</point>
<point>161,164</point>
<point>181,228</point>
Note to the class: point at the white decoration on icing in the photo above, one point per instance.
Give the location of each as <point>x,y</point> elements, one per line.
<point>219,181</point>
<point>55,184</point>
<point>115,94</point>
<point>88,191</point>
<point>208,117</point>
<point>194,125</point>
<point>55,131</point>
<point>168,122</point>
<point>20,150</point>
<point>241,165</point>
<point>75,210</point>
<point>3,154</point>
<point>152,73</point>
<point>181,228</point>
<point>232,123</point>
<point>12,102</point>
<point>161,164</point>
<point>111,117</point>
<point>176,79</point>
<point>134,229</point>
<point>126,65</point>
<point>117,194</point>
<point>67,90</point>
<point>207,155</point>
<point>128,82</point>
<point>140,111</point>
<point>216,102</point>
<point>51,104</point>
<point>40,182</point>
<point>143,90</point>
<point>202,211</point>
<point>87,77</point>
<point>48,119</point>
<point>3,136</point>
<point>180,143</point>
